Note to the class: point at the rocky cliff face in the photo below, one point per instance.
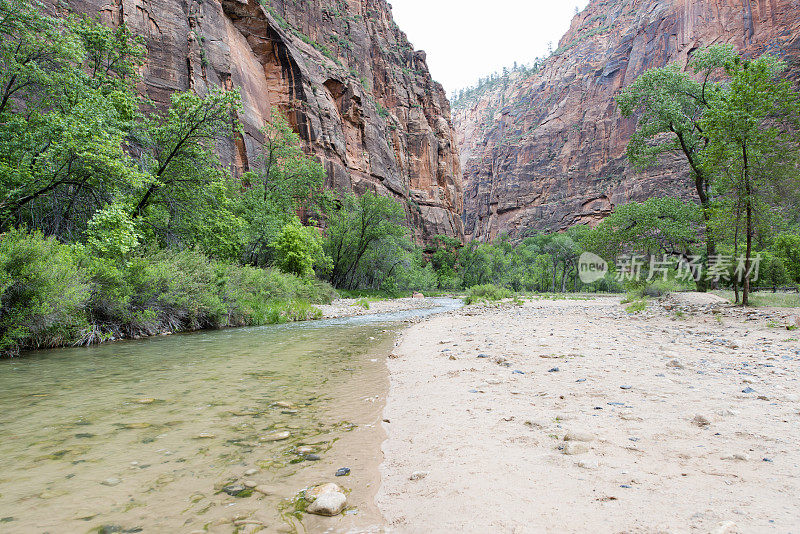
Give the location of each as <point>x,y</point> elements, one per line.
<point>345,75</point>
<point>546,150</point>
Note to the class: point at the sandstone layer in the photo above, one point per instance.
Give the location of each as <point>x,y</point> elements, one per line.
<point>546,150</point>
<point>360,97</point>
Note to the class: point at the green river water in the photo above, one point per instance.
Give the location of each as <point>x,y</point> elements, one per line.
<point>143,436</point>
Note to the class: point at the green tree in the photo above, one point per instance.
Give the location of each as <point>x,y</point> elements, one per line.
<point>284,181</point>
<point>361,225</point>
<point>67,104</point>
<point>670,105</point>
<point>298,249</point>
<point>753,147</point>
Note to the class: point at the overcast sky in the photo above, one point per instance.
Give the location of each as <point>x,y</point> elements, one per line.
<point>465,39</point>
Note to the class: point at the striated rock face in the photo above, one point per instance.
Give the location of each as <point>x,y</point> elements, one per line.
<point>350,83</point>
<point>546,151</point>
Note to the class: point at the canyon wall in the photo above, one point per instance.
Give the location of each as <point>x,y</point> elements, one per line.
<point>542,151</point>
<point>343,73</point>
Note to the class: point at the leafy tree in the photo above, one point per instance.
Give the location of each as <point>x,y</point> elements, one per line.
<point>670,105</point>
<point>285,181</point>
<point>786,247</point>
<point>361,225</point>
<point>298,249</point>
<point>752,129</point>
<point>67,103</point>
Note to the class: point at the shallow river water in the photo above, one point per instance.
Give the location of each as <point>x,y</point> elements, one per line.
<point>144,436</point>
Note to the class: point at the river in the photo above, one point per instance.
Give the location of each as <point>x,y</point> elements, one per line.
<point>146,436</point>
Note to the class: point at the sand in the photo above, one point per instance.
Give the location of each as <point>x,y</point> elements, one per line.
<point>476,444</point>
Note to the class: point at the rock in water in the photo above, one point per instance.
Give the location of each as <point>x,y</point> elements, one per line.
<point>342,472</point>
<point>312,494</point>
<point>113,481</point>
<point>234,489</point>
<point>328,504</point>
<point>277,436</point>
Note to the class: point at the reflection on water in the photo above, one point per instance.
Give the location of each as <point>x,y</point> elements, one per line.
<point>155,435</point>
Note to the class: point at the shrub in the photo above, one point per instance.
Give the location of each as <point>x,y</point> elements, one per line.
<point>487,292</point>
<point>44,292</point>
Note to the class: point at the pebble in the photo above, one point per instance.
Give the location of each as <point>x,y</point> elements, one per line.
<point>277,436</point>
<point>328,504</point>
<point>483,355</point>
<point>452,357</point>
<point>249,484</point>
<point>342,472</point>
<point>675,364</point>
<point>418,475</point>
<point>234,489</point>
<point>111,481</point>
<point>626,387</point>
<point>305,450</point>
<point>205,435</point>
<point>572,448</point>
<point>553,370</point>
<point>701,421</point>
<point>264,490</point>
<point>748,390</point>
<point>313,457</point>
<point>251,472</point>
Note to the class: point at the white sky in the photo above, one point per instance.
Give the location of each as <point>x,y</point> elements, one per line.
<point>466,40</point>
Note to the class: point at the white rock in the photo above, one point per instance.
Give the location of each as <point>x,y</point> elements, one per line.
<point>111,481</point>
<point>329,504</point>
<point>251,472</point>
<point>249,484</point>
<point>312,494</point>
<point>277,436</point>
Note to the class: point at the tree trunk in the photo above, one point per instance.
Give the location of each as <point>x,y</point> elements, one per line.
<point>749,212</point>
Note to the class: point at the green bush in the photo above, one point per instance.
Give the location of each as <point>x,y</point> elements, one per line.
<point>54,294</point>
<point>487,292</point>
<point>44,293</point>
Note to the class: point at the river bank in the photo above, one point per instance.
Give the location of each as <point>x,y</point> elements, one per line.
<point>681,419</point>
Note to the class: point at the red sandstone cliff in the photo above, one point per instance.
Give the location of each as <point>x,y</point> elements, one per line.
<point>355,90</point>
<point>546,151</point>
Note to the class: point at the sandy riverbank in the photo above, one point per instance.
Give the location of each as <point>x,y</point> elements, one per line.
<point>481,399</point>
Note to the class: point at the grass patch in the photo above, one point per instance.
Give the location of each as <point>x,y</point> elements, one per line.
<point>636,306</point>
